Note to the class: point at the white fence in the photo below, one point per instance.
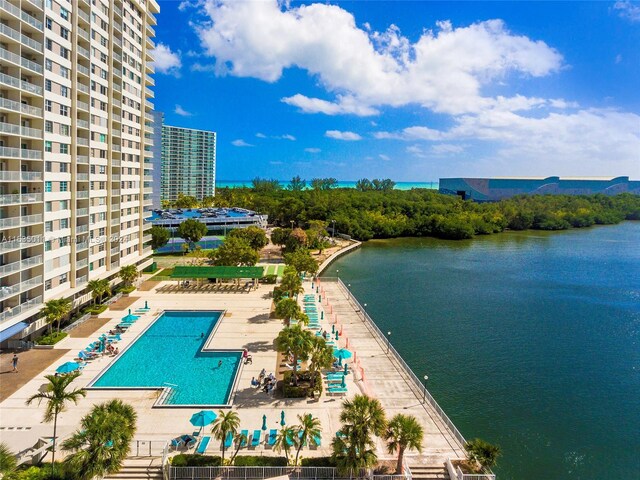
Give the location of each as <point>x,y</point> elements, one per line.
<point>260,473</point>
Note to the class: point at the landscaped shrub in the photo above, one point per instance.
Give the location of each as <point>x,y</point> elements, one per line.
<point>43,472</point>
<point>96,309</point>
<point>192,460</point>
<point>304,388</point>
<point>258,461</point>
<point>51,339</point>
<point>269,279</point>
<point>127,290</point>
<point>318,462</point>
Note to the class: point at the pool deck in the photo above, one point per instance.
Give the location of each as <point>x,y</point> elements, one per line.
<point>246,324</point>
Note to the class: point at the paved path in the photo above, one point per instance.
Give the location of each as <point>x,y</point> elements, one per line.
<point>387,381</point>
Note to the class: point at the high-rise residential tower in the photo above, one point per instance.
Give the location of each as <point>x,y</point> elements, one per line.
<point>75,141</point>
<point>156,149</point>
<point>188,163</point>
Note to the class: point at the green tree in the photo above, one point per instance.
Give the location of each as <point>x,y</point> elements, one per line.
<point>239,439</point>
<point>234,251</point>
<point>364,185</point>
<point>99,288</point>
<point>129,274</point>
<point>482,454</point>
<point>8,462</point>
<point>296,342</point>
<point>323,183</point>
<point>289,309</point>
<point>254,236</point>
<point>362,417</point>
<point>263,185</point>
<point>297,239</point>
<point>208,202</point>
<point>291,284</point>
<point>403,432</point>
<point>320,357</point>
<point>225,423</point>
<point>101,444</point>
<point>297,184</point>
<point>186,201</point>
<point>306,432</point>
<point>57,397</point>
<point>285,439</point>
<point>279,236</point>
<point>159,236</point>
<point>55,310</point>
<point>191,230</point>
<point>302,261</point>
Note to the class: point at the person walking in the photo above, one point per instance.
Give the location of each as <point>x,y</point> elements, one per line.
<point>14,362</point>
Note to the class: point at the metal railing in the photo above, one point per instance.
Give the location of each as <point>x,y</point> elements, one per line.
<point>260,473</point>
<point>34,302</point>
<point>79,321</point>
<point>19,37</point>
<point>148,448</point>
<point>17,83</point>
<point>16,198</point>
<point>419,386</point>
<point>473,476</point>
<point>20,107</point>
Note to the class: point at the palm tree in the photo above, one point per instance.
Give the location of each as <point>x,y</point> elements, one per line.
<point>296,342</point>
<point>129,274</point>
<point>240,439</point>
<point>98,288</point>
<point>226,422</point>
<point>102,443</point>
<point>285,439</point>
<point>306,432</point>
<point>320,356</point>
<point>291,282</point>
<point>8,462</point>
<point>57,397</point>
<point>482,453</point>
<point>55,310</point>
<point>403,432</point>
<point>361,417</point>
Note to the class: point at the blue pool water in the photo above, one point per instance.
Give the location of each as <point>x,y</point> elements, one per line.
<point>170,352</point>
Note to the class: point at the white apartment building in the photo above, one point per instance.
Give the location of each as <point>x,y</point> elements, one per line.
<point>75,149</point>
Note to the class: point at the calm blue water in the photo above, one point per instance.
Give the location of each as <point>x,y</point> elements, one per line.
<point>341,184</point>
<point>168,352</point>
<point>531,340</point>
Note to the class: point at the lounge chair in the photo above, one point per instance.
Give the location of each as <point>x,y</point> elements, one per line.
<point>337,391</point>
<point>202,446</point>
<point>271,440</point>
<point>244,438</point>
<point>189,441</point>
<point>176,443</point>
<point>228,441</point>
<point>255,438</point>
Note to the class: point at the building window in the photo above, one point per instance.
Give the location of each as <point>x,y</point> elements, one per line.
<point>48,65</point>
<point>48,126</point>
<point>47,168</point>
<point>64,148</point>
<point>47,85</point>
<point>48,226</point>
<point>64,91</point>
<point>64,13</point>
<point>63,186</point>
<point>47,148</point>
<point>64,33</point>
<point>47,283</point>
<point>64,223</point>
<point>47,105</point>
<point>64,167</point>
<point>47,246</point>
<point>47,205</point>
<point>48,44</point>
<point>63,278</point>
<point>49,23</point>
<point>64,110</point>
<point>47,185</point>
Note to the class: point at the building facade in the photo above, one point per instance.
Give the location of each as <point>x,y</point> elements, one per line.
<point>75,141</point>
<point>188,163</point>
<point>156,159</point>
<point>493,189</point>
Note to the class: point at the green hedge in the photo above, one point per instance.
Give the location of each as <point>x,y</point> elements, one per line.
<point>301,391</point>
<point>258,461</point>
<point>269,279</point>
<point>194,460</point>
<point>127,290</point>
<point>51,339</point>
<point>95,309</point>
<point>318,462</point>
<point>42,472</point>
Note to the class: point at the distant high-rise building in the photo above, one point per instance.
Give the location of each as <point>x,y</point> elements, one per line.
<point>74,149</point>
<point>156,159</point>
<point>188,163</point>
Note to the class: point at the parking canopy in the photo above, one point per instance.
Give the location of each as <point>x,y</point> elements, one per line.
<point>187,271</point>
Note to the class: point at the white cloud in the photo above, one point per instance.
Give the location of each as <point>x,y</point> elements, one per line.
<point>241,143</point>
<point>312,150</point>
<point>618,58</point>
<point>343,105</point>
<point>628,10</point>
<point>182,112</point>
<point>288,136</point>
<point>384,157</point>
<point>446,149</point>
<point>261,135</point>
<point>338,135</point>
<point>165,61</point>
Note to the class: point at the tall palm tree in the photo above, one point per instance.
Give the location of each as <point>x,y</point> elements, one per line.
<point>403,432</point>
<point>306,432</point>
<point>320,356</point>
<point>102,443</point>
<point>8,462</point>
<point>55,310</point>
<point>296,342</point>
<point>226,422</point>
<point>129,274</point>
<point>350,458</point>
<point>482,453</point>
<point>285,439</point>
<point>240,439</point>
<point>57,396</point>
<point>98,288</point>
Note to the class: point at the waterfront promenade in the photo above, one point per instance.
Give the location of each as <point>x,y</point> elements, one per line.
<point>380,373</point>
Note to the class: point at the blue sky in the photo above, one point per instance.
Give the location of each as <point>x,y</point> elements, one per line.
<point>412,91</point>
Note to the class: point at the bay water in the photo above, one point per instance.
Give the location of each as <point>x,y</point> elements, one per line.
<point>531,340</point>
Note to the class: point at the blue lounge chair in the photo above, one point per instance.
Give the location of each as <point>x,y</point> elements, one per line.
<point>244,438</point>
<point>273,434</point>
<point>337,390</point>
<point>228,441</point>
<point>202,446</point>
<point>255,438</point>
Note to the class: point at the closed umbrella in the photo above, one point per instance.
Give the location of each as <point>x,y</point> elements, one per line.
<point>346,369</point>
<point>146,304</point>
<point>337,336</point>
<point>68,367</point>
<point>343,384</point>
<point>282,422</point>
<point>264,423</point>
<point>333,328</point>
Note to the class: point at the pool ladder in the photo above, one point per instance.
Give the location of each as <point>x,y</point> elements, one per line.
<point>168,392</point>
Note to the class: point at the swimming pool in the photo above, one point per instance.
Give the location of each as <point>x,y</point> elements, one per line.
<point>169,354</point>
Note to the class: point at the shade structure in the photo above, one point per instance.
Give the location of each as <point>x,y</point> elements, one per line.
<point>68,367</point>
<point>342,353</point>
<point>282,422</point>
<point>130,317</point>
<point>203,418</point>
<point>264,423</point>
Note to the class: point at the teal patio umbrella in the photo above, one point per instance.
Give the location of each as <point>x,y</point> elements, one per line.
<point>342,354</point>
<point>129,317</point>
<point>203,418</point>
<point>68,367</point>
<point>264,423</point>
<point>282,422</point>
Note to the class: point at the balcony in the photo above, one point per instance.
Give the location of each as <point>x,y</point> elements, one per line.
<point>83,51</point>
<point>20,107</point>
<point>82,263</point>
<point>115,250</point>
<point>82,194</point>
<point>28,305</point>
<point>116,148</point>
<point>17,83</point>
<point>83,88</point>
<point>82,33</point>
<point>83,141</point>
<point>36,3</point>
<point>19,176</point>
<point>150,31</point>
<point>11,152</point>
<point>117,11</point>
<point>20,265</point>
<point>84,16</point>
<point>115,192</point>
<point>82,212</point>
<point>82,246</point>
<point>82,158</point>
<point>15,11</point>
<point>20,38</point>
<point>12,129</point>
<point>83,124</point>
<point>82,69</point>
<point>80,281</point>
<point>117,87</point>
<point>82,228</point>
<point>19,60</point>
<point>82,177</point>
<point>82,106</point>
<point>24,221</point>
<point>16,199</point>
